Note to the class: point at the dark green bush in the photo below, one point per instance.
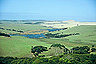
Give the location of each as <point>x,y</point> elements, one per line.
<point>38,49</point>
<point>81,50</point>
<point>76,59</point>
<point>93,50</point>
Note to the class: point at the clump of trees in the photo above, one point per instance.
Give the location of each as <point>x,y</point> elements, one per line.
<point>3,34</point>
<point>37,50</point>
<point>58,35</point>
<point>12,30</point>
<point>93,50</point>
<point>50,35</point>
<point>57,45</point>
<point>54,50</point>
<point>81,50</point>
<point>80,56</point>
<point>64,28</point>
<point>57,49</point>
<point>60,59</point>
<point>19,31</point>
<point>33,23</point>
<point>2,28</point>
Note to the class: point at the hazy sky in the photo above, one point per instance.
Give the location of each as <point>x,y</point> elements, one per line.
<point>79,10</point>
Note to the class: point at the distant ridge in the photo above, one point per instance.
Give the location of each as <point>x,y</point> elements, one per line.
<point>23,20</point>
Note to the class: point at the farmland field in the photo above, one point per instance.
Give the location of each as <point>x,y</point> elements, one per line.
<point>19,46</point>
<point>87,34</point>
<point>48,32</point>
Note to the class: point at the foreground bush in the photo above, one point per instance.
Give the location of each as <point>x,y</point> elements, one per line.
<point>81,50</point>
<point>61,59</point>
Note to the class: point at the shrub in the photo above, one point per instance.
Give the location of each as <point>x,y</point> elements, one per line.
<point>93,49</point>
<point>3,34</point>
<point>81,50</point>
<point>38,49</point>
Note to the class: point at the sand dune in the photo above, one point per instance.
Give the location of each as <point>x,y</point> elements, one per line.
<point>64,24</point>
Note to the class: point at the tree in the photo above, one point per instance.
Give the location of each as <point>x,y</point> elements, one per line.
<point>38,49</point>
<point>93,49</point>
<point>92,45</point>
<point>58,49</point>
<point>81,50</point>
<point>3,34</point>
<point>57,45</point>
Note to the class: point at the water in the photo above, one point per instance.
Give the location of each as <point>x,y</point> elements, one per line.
<point>50,30</point>
<point>35,35</point>
<point>30,35</point>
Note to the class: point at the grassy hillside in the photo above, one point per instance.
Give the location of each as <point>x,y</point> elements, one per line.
<point>87,34</point>
<point>21,46</point>
<point>23,27</point>
<point>18,46</point>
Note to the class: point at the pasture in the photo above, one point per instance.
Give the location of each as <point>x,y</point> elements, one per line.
<point>19,46</point>
<point>19,25</point>
<point>87,34</point>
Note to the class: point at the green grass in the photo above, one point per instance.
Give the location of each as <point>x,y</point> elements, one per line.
<point>7,31</point>
<point>23,27</point>
<point>67,43</point>
<point>93,52</point>
<point>87,34</point>
<point>18,46</point>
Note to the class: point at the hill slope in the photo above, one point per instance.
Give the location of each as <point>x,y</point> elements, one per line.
<point>18,46</point>
<point>87,34</point>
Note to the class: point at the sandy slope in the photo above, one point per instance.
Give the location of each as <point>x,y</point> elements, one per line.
<point>63,24</point>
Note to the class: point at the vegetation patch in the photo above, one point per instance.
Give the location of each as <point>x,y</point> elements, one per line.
<point>74,45</point>
<point>60,59</point>
<point>33,23</point>
<point>3,34</point>
<point>50,35</point>
<point>38,49</point>
<point>81,50</point>
<point>12,30</point>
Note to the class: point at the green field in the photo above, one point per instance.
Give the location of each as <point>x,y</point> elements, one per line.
<point>19,46</point>
<point>87,34</point>
<point>23,27</point>
<point>19,26</point>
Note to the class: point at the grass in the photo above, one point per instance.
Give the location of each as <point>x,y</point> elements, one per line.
<point>7,31</point>
<point>67,43</point>
<point>18,46</point>
<point>23,27</point>
<point>93,52</point>
<point>87,34</point>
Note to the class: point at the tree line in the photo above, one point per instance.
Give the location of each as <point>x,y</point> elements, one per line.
<point>3,34</point>
<point>12,30</point>
<point>50,35</point>
<point>60,59</point>
<point>80,55</point>
<point>75,50</point>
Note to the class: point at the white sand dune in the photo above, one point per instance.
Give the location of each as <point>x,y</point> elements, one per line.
<point>64,24</point>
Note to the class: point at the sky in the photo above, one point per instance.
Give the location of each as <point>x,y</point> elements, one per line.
<point>79,10</point>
